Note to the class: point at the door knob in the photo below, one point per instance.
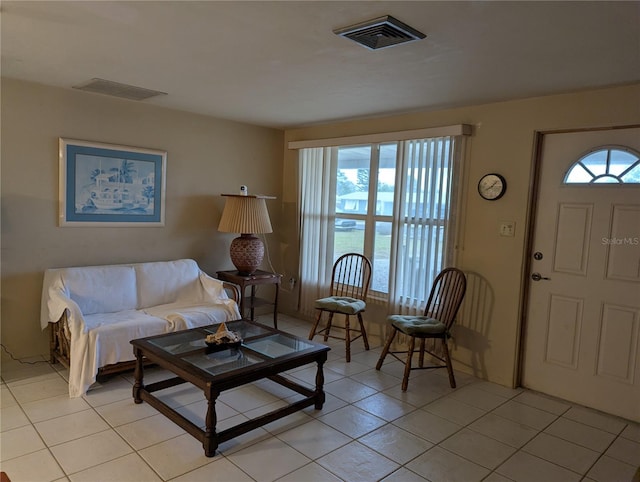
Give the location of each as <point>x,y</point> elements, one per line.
<point>538,277</point>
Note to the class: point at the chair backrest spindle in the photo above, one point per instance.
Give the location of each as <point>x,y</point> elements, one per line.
<point>351,276</point>
<point>446,296</point>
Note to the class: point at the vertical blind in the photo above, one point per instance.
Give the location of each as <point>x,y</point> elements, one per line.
<point>315,208</point>
<point>423,228</point>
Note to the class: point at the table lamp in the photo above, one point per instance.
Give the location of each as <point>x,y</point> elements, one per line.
<point>246,215</point>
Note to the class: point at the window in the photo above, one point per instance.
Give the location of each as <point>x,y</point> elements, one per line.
<point>605,165</point>
<point>391,201</point>
<point>366,173</point>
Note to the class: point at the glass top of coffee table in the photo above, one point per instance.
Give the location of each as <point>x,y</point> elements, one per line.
<point>260,344</point>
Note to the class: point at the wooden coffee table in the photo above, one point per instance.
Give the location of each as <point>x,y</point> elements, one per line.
<point>264,353</point>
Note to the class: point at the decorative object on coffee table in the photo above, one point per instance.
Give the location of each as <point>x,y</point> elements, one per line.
<point>223,336</point>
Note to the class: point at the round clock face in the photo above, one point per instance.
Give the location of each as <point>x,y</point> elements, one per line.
<point>492,186</point>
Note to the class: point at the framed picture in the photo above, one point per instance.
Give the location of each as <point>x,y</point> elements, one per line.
<point>111,185</point>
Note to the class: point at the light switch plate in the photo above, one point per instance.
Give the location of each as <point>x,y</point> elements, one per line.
<point>507,228</point>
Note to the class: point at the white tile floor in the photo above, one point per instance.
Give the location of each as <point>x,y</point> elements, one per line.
<point>368,430</point>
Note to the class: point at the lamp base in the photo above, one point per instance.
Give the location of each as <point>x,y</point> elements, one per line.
<point>247,252</point>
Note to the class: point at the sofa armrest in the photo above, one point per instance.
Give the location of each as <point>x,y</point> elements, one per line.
<point>232,290</point>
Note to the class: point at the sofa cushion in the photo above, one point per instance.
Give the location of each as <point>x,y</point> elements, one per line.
<point>110,333</point>
<point>101,289</point>
<point>185,315</point>
<point>164,282</point>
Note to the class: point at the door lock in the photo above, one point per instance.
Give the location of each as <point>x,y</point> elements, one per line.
<point>538,277</point>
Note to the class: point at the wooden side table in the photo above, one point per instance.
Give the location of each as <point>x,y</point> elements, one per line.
<point>258,278</point>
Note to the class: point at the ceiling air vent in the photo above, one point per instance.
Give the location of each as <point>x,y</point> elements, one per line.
<point>380,33</point>
<point>116,89</point>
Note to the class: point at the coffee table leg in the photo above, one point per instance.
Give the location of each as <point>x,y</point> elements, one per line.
<point>210,443</point>
<point>320,397</point>
<point>138,375</point>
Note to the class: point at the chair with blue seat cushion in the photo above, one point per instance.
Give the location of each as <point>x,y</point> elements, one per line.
<point>350,281</point>
<point>435,324</point>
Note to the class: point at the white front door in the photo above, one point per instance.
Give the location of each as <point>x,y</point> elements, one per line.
<point>583,322</point>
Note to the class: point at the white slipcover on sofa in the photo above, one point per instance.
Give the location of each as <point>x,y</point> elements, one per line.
<point>95,311</point>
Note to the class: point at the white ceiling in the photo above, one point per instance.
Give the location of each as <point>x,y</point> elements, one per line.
<point>279,64</point>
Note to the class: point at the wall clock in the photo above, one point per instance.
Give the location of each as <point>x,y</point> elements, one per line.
<point>492,186</point>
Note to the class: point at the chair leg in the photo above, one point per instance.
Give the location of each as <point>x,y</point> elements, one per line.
<point>347,337</point>
<point>363,331</point>
<point>445,349</point>
<point>328,328</point>
<point>385,350</point>
<point>312,333</point>
<point>407,365</point>
<point>421,357</point>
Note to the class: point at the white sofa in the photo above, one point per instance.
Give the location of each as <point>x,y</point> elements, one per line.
<point>94,312</point>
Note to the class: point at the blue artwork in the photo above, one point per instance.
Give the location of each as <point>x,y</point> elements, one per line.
<point>102,183</point>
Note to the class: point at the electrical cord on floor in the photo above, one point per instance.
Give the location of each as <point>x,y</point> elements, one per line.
<point>21,361</point>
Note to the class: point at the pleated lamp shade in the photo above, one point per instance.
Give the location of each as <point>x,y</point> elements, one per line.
<point>246,215</point>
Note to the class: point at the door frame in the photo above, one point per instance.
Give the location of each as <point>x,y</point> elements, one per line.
<point>530,220</point>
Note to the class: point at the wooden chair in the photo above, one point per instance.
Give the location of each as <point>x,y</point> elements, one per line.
<point>350,282</point>
<point>439,315</point>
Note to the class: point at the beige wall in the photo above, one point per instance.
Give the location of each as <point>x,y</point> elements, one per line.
<point>487,338</point>
<point>209,156</point>
<point>206,157</point>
